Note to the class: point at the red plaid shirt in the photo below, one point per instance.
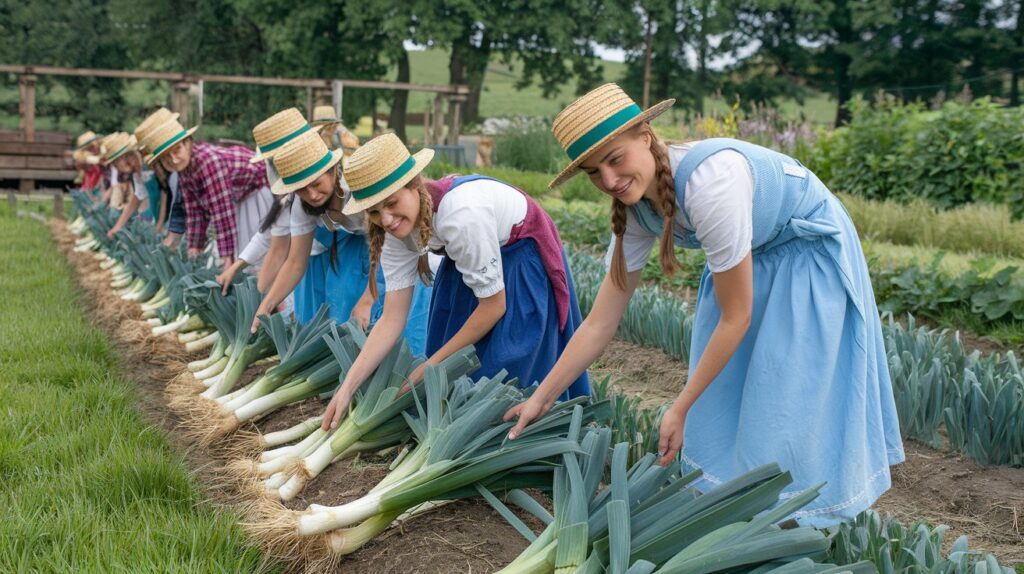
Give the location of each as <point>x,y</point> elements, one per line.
<point>215,181</point>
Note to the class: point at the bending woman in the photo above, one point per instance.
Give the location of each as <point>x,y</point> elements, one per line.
<point>328,259</point>
<point>503,284</point>
<point>787,362</point>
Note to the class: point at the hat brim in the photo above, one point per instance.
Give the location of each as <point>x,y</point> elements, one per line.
<point>142,148</point>
<point>88,143</point>
<point>282,188</point>
<point>421,158</point>
<point>171,143</point>
<point>321,124</point>
<point>647,115</point>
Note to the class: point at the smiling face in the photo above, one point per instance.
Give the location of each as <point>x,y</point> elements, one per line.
<point>178,156</point>
<point>128,163</point>
<point>399,213</point>
<point>624,167</point>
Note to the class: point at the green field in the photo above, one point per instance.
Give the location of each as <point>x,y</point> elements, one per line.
<point>88,485</point>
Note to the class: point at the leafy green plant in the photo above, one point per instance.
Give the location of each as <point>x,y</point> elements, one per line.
<point>960,154</point>
<point>893,548</point>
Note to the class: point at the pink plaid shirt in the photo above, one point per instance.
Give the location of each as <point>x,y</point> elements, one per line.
<point>215,181</point>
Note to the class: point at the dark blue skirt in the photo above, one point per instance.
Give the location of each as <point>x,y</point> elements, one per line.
<point>526,341</point>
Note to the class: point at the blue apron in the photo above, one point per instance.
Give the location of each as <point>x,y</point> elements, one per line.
<point>526,341</point>
<point>340,286</point>
<point>808,387</point>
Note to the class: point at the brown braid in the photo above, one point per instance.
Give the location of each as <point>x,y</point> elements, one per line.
<point>666,204</point>
<point>618,270</point>
<point>375,235</point>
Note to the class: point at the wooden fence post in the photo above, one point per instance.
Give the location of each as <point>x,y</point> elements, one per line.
<point>58,203</point>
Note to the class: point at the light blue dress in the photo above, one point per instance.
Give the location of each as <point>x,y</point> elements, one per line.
<point>341,284</point>
<point>808,387</point>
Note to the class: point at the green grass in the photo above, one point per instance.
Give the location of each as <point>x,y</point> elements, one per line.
<point>973,229</point>
<point>88,485</point>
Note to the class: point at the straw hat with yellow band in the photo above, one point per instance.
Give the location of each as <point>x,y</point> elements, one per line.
<point>379,168</point>
<point>274,132</point>
<point>324,115</point>
<point>164,136</point>
<point>301,161</point>
<point>152,120</point>
<point>85,139</point>
<point>120,144</point>
<point>593,120</point>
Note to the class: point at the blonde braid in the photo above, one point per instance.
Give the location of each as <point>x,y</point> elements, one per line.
<point>426,223</point>
<point>375,239</point>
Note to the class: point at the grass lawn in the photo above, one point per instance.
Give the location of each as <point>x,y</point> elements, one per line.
<point>88,485</point>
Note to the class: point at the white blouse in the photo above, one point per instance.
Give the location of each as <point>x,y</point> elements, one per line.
<point>259,245</point>
<point>719,203</point>
<point>472,223</point>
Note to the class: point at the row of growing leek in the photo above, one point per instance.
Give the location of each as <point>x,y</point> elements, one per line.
<point>449,439</point>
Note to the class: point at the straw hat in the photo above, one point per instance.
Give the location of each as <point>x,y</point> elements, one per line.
<point>86,139</point>
<point>380,168</point>
<point>277,130</point>
<point>301,161</point>
<point>164,136</point>
<point>594,119</point>
<point>119,144</point>
<point>152,120</point>
<point>324,115</point>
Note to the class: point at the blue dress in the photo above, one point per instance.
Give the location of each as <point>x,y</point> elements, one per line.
<point>808,387</point>
<point>526,341</point>
<point>341,285</point>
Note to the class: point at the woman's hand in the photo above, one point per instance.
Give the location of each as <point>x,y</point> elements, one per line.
<point>265,308</point>
<point>361,312</point>
<point>671,434</point>
<point>193,252</point>
<point>226,276</point>
<point>526,412</point>
<point>336,409</point>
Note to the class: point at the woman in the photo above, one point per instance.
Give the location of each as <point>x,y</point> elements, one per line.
<point>145,190</point>
<point>268,249</point>
<point>787,361</point>
<point>328,260</point>
<point>504,283</point>
<point>172,210</point>
<point>218,184</point>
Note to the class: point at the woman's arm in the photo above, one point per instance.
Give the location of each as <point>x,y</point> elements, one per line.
<point>126,213</point>
<point>276,256</point>
<point>583,349</point>
<point>378,344</point>
<point>734,290</point>
<point>364,307</point>
<point>161,220</point>
<point>288,277</point>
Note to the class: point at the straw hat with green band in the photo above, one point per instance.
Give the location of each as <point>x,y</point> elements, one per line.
<point>152,121</point>
<point>85,139</point>
<point>164,136</point>
<point>324,115</point>
<point>379,168</point>
<point>119,144</point>
<point>594,119</point>
<point>301,161</point>
<point>274,132</point>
